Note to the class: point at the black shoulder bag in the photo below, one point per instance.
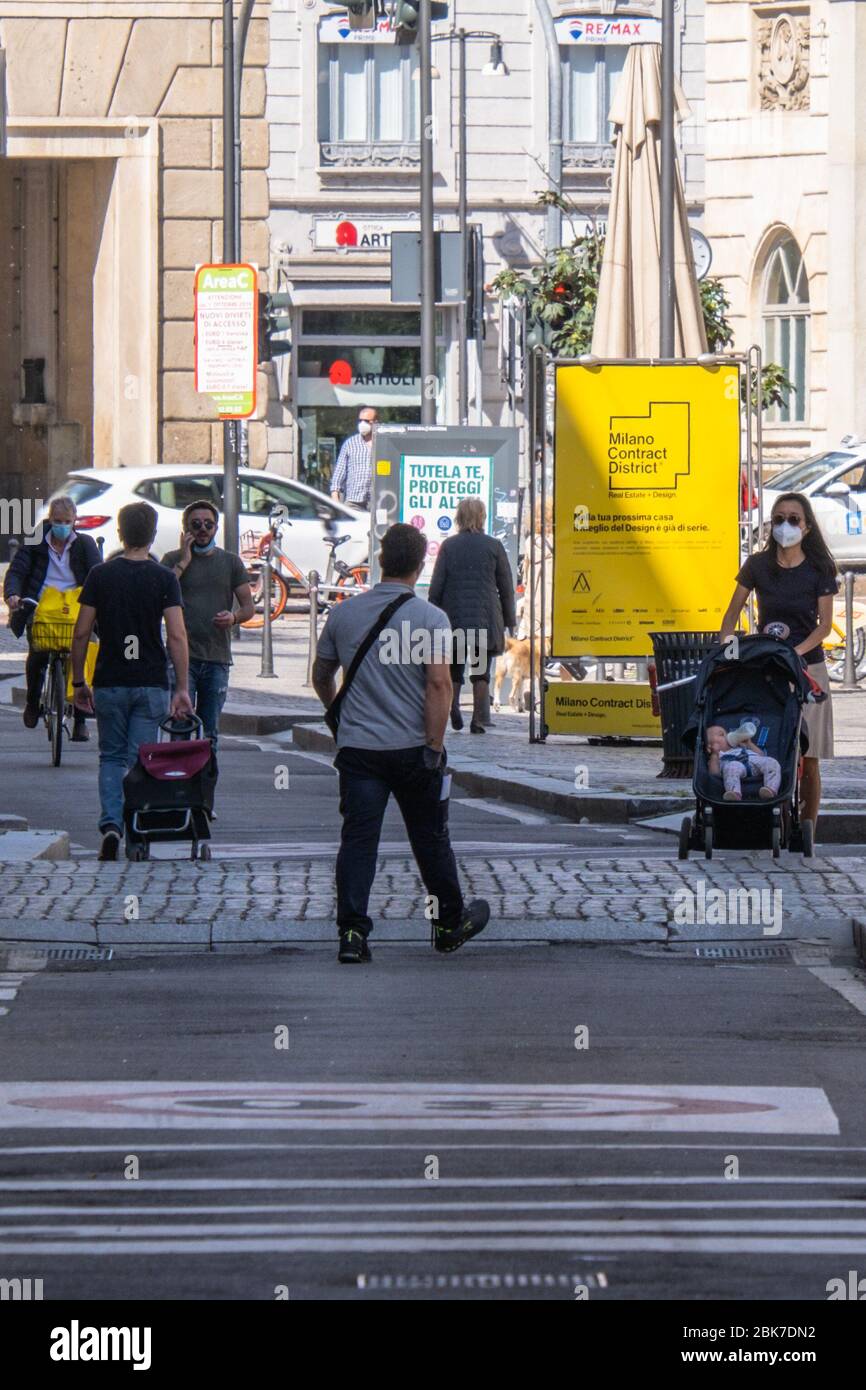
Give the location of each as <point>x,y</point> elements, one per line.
<point>332,713</point>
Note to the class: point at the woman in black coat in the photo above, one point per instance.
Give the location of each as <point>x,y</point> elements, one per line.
<point>472,583</point>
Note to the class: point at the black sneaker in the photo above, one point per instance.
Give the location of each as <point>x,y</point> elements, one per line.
<point>80,734</point>
<point>474,920</point>
<point>354,949</point>
<point>110,845</point>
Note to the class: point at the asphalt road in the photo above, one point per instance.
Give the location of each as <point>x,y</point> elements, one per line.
<point>252,810</point>
<point>420,1134</point>
<point>512,1122</point>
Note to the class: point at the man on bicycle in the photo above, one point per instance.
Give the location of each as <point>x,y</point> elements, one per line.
<point>212,582</point>
<point>128,597</point>
<point>61,560</point>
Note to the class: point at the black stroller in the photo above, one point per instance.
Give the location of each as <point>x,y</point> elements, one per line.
<point>168,795</point>
<point>767,683</point>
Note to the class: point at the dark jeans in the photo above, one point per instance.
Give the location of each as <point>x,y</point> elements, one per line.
<point>367,779</point>
<point>208,687</point>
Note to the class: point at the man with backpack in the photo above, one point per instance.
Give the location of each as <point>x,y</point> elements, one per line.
<point>389,721</point>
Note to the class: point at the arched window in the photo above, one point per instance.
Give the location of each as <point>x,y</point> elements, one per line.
<point>785,314</point>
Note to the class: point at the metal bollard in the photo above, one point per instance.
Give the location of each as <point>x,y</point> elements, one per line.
<point>849,674</point>
<point>267,668</point>
<point>314,624</point>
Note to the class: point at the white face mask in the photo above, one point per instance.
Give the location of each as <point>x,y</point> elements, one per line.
<point>365,428</point>
<point>786,534</point>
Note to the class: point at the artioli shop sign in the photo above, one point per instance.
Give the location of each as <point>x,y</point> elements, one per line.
<point>226,315</point>
<point>599,28</point>
<point>356,233</point>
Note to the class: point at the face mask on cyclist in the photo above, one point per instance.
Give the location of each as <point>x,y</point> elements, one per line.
<point>61,530</point>
<point>365,428</point>
<point>785,534</point>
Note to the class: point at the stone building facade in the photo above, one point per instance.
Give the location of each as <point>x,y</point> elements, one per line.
<point>110,193</point>
<point>785,187</point>
<point>344,174</point>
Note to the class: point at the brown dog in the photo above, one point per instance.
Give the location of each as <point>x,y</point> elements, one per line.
<point>514,663</point>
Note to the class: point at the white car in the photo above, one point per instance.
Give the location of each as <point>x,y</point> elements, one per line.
<point>99,494</point>
<point>835,484</point>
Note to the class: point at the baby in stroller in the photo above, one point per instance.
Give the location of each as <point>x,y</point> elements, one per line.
<point>733,756</point>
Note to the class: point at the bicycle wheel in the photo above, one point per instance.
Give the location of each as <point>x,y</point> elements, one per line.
<point>279,599</point>
<point>357,578</point>
<point>56,708</point>
<point>835,656</point>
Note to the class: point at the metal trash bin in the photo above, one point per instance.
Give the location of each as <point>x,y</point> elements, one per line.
<point>677,656</point>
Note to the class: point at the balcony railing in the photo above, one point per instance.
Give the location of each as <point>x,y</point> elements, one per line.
<point>374,154</point>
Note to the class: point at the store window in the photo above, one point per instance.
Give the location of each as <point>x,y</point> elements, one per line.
<point>589,78</point>
<point>785,314</point>
<point>348,358</point>
<point>367,94</point>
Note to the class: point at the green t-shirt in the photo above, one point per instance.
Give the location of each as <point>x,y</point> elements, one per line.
<point>208,587</point>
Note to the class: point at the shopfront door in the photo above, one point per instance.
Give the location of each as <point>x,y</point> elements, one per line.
<point>346,359</point>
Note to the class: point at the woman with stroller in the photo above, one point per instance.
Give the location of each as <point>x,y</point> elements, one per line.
<point>794,579</point>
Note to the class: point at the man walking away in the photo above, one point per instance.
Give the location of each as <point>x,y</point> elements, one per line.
<point>128,597</point>
<point>353,473</point>
<point>62,560</point>
<point>211,581</point>
<point>393,710</point>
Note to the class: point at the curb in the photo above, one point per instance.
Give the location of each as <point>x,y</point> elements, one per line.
<point>22,846</point>
<point>412,932</point>
<point>551,794</point>
<point>236,718</point>
<point>538,793</point>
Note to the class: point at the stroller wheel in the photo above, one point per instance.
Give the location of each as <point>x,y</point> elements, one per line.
<point>708,841</point>
<point>807,831</point>
<point>204,852</point>
<point>777,841</point>
<point>137,854</point>
<point>685,838</point>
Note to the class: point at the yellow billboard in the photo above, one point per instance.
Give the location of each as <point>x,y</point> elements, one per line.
<point>623,708</point>
<point>646,504</point>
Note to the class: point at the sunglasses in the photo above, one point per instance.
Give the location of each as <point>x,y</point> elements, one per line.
<point>202,525</point>
<point>791,518</point>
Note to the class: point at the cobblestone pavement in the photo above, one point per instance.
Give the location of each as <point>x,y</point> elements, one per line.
<point>608,890</point>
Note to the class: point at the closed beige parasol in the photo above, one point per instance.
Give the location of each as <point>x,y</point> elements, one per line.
<point>627,314</point>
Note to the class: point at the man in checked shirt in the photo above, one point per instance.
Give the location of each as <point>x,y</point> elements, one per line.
<point>353,474</point>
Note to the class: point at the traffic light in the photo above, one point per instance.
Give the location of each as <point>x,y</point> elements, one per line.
<point>404,17</point>
<point>362,14</point>
<point>272,321</point>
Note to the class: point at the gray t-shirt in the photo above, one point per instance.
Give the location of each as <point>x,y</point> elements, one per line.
<point>385,704</point>
<point>208,587</point>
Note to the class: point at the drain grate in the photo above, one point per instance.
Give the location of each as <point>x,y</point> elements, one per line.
<point>744,952</point>
<point>69,952</point>
<point>481,1281</point>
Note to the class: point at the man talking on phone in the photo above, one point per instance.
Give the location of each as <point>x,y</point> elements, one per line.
<point>216,597</point>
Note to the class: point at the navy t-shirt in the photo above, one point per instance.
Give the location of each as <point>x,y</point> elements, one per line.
<point>130,597</point>
<point>788,595</point>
